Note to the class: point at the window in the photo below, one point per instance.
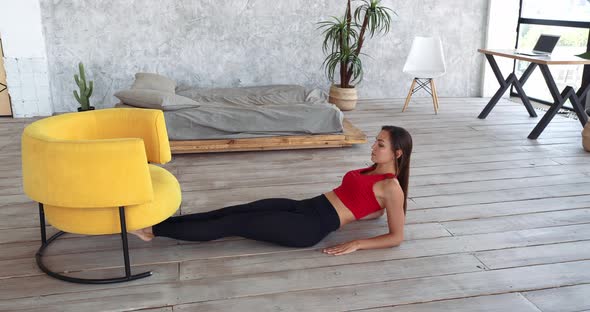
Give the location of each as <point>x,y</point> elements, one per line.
<point>558,10</point>
<point>571,20</point>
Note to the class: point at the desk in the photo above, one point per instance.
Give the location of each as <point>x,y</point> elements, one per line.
<point>543,62</point>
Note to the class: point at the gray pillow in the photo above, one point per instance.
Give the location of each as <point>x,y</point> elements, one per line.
<point>155,99</point>
<point>154,82</point>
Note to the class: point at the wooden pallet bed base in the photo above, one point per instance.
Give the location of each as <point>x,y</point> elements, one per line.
<point>351,135</point>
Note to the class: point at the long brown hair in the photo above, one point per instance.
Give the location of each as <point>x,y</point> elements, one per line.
<point>401,139</point>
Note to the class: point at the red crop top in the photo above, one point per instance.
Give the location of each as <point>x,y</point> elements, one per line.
<point>356,191</point>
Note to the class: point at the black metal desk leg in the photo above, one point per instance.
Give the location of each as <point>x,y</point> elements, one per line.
<point>558,100</point>
<point>505,84</point>
<point>550,114</point>
<point>494,100</point>
<point>518,84</point>
<point>578,104</point>
<point>496,70</point>
<point>583,92</point>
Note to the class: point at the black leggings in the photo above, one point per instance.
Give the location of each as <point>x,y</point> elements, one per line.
<point>287,222</point>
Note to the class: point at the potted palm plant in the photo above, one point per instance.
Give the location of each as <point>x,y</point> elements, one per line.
<point>343,41</point>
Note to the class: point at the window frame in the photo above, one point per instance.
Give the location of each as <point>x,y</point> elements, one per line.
<point>548,22</point>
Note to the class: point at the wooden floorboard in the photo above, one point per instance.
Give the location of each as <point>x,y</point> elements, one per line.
<point>492,303</point>
<point>563,299</point>
<point>533,255</point>
<point>495,222</point>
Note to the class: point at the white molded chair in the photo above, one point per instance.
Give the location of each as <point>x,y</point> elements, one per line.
<point>425,62</point>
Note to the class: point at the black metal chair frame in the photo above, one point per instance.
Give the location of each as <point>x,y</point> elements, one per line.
<point>423,83</point>
<point>46,242</point>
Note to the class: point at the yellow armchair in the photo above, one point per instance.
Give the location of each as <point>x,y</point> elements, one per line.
<point>89,171</point>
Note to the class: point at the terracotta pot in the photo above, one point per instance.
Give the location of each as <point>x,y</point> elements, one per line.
<point>343,98</point>
<point>586,137</point>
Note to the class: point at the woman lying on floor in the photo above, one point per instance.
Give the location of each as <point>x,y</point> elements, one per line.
<point>364,194</point>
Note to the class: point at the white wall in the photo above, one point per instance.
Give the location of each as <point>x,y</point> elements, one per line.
<point>501,34</point>
<point>25,58</point>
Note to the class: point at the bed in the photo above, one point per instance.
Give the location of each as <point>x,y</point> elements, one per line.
<point>273,117</point>
<point>349,137</point>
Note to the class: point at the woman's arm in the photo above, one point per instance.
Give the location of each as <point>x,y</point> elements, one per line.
<point>394,205</point>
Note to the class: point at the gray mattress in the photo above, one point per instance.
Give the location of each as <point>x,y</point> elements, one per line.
<point>253,112</point>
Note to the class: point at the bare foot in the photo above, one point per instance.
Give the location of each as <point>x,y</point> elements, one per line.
<point>145,234</point>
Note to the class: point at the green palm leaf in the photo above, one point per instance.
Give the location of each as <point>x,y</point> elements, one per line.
<point>343,40</point>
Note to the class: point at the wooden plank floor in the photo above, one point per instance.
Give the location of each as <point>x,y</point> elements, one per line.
<point>496,222</point>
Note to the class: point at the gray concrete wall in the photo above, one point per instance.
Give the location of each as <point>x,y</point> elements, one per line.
<point>225,43</point>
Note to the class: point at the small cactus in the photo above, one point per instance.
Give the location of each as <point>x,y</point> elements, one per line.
<point>85,90</point>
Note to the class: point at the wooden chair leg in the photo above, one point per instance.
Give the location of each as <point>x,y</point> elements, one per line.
<point>434,100</point>
<point>409,95</point>
<point>435,94</point>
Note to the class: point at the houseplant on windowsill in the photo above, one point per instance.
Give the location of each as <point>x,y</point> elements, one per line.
<point>85,90</point>
<point>343,41</point>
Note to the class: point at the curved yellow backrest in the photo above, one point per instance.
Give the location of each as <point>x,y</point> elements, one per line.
<point>95,158</point>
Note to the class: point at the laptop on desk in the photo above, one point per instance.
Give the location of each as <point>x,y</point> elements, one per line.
<point>544,47</point>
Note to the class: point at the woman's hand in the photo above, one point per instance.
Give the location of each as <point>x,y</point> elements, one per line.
<point>343,249</point>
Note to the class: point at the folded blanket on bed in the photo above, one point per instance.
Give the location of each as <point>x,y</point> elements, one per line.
<point>259,95</point>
